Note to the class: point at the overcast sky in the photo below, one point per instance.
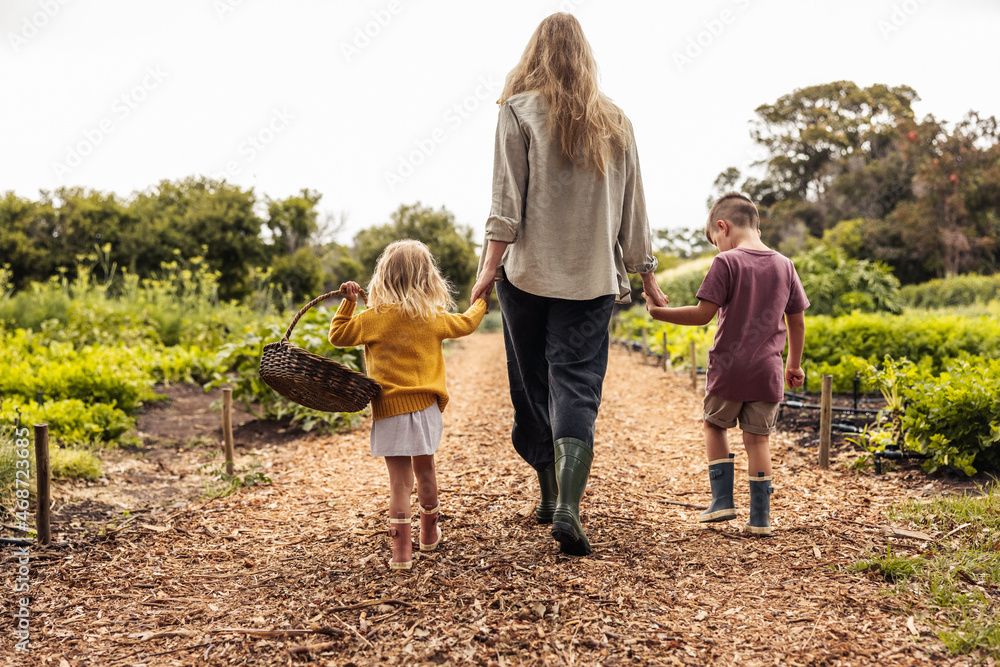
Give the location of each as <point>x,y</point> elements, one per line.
<point>380,102</point>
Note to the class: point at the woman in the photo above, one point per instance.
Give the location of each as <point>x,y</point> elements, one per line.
<point>568,222</point>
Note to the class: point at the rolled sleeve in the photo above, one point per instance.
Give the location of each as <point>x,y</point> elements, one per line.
<point>510,178</point>
<point>634,235</point>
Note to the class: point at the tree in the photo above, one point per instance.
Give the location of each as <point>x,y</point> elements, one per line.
<point>27,244</point>
<point>684,243</point>
<point>919,196</point>
<point>812,131</point>
<point>202,217</point>
<point>725,182</point>
<point>339,266</point>
<point>451,244</point>
<point>299,274</point>
<point>292,221</point>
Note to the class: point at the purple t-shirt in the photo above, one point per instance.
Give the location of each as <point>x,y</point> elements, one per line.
<point>754,289</point>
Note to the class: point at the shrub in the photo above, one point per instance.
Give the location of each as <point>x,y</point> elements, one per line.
<point>914,336</point>
<point>72,421</point>
<point>836,285</point>
<point>953,418</point>
<point>954,291</point>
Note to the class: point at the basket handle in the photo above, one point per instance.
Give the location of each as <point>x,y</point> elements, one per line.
<point>321,297</point>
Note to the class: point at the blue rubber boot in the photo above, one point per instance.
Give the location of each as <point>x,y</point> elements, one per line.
<point>549,493</point>
<point>760,504</point>
<point>720,476</point>
<point>573,458</point>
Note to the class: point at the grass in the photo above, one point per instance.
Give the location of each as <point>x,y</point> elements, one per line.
<point>894,569</point>
<point>956,579</point>
<point>71,463</point>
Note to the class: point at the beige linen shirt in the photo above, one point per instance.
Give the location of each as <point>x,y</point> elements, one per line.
<point>573,233</point>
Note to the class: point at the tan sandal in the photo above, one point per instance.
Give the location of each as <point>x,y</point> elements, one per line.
<point>393,534</point>
<point>436,511</point>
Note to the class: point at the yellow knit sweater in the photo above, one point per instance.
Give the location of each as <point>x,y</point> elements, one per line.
<point>403,354</point>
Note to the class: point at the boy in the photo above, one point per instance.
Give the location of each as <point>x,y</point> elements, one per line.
<point>756,291</point>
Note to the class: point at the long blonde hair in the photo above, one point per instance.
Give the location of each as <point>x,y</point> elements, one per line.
<point>559,63</point>
<point>407,277</point>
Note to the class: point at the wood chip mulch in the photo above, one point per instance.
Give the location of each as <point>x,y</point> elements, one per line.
<point>296,572</point>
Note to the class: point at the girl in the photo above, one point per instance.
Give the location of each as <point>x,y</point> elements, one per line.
<point>402,331</point>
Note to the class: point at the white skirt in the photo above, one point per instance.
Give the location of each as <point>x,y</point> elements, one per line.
<point>409,434</point>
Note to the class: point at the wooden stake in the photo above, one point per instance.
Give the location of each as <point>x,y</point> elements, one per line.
<point>666,353</point>
<point>694,366</point>
<point>825,421</point>
<point>645,346</point>
<point>227,426</point>
<point>43,479</point>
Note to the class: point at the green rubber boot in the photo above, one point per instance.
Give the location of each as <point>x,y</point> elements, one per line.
<point>760,504</point>
<point>549,492</point>
<point>720,476</point>
<point>573,458</point>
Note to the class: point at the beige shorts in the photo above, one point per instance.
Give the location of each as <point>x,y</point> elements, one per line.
<point>758,417</point>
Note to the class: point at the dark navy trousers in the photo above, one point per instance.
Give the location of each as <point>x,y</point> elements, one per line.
<point>557,355</point>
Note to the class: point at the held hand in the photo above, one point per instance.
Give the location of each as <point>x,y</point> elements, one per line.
<point>794,376</point>
<point>350,290</point>
<point>651,291</point>
<point>649,304</point>
<point>483,288</point>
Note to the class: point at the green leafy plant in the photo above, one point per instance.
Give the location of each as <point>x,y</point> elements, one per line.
<point>224,484</point>
<point>242,356</point>
<point>837,285</point>
<point>952,418</point>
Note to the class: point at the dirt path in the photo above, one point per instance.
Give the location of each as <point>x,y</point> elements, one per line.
<point>302,562</point>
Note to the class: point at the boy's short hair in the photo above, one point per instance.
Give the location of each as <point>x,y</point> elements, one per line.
<point>736,208</point>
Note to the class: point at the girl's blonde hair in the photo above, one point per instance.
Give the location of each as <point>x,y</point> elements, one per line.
<point>559,64</point>
<point>407,277</point>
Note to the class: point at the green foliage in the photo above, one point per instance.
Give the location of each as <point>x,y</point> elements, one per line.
<point>683,243</point>
<point>630,323</point>
<point>889,567</point>
<point>70,463</point>
<point>225,484</point>
<point>846,237</point>
<point>682,289</point>
<point>919,196</point>
<point>96,374</point>
<point>9,458</point>
<point>299,274</point>
<point>242,357</point>
<point>810,129</point>
<point>953,291</point>
<point>339,266</point>
<point>195,217</point>
<point>944,586</point>
<point>836,285</point>
<point>78,423</point>
<point>292,221</point>
<point>450,244</point>
<point>953,417</point>
<point>931,341</point>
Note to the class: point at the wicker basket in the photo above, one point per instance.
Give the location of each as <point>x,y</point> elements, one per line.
<point>311,380</point>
